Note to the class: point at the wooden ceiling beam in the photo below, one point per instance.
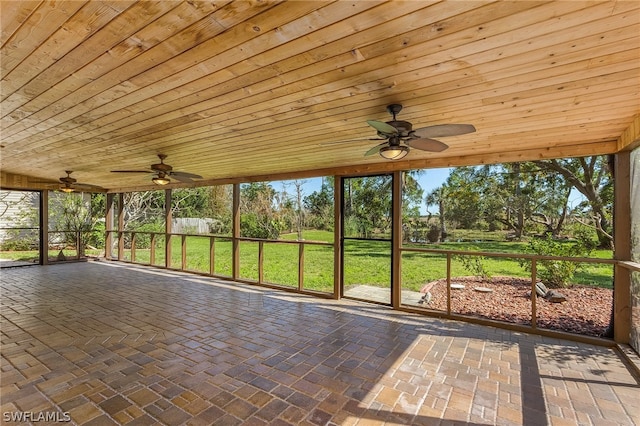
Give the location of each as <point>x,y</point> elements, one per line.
<point>630,137</point>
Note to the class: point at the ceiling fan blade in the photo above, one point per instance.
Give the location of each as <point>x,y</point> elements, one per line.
<point>178,175</point>
<point>349,140</point>
<point>132,171</point>
<point>426,144</point>
<point>443,130</point>
<point>181,178</point>
<point>383,127</point>
<point>376,149</point>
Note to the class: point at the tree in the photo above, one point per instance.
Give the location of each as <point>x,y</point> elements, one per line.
<point>72,219</point>
<point>412,194</point>
<point>299,207</point>
<point>438,197</point>
<point>518,196</point>
<point>18,209</point>
<point>319,206</point>
<point>258,218</point>
<point>144,208</point>
<point>191,202</point>
<point>367,205</point>
<point>592,177</point>
<point>463,196</point>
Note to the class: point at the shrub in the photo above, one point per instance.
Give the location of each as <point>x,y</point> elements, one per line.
<point>433,235</point>
<point>143,239</point>
<point>253,225</point>
<point>474,265</point>
<point>558,273</point>
<point>20,242</point>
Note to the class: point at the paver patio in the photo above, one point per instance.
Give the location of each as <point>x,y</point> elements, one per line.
<point>111,343</point>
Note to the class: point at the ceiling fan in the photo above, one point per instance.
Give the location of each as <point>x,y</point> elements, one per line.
<point>399,136</point>
<point>162,172</point>
<point>69,184</point>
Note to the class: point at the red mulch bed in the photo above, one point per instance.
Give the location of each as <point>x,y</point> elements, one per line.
<point>586,311</point>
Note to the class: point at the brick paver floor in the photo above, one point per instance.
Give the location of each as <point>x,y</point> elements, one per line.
<point>109,343</point>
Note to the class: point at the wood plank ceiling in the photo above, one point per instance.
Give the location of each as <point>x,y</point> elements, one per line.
<point>237,90</point>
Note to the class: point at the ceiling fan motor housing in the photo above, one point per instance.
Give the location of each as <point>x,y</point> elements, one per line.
<point>68,180</point>
<point>403,127</point>
<point>161,167</point>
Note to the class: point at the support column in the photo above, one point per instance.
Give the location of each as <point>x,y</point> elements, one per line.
<point>121,226</point>
<point>168,216</point>
<point>622,241</point>
<point>108,224</point>
<point>44,227</point>
<point>235,260</point>
<point>396,240</point>
<point>337,236</point>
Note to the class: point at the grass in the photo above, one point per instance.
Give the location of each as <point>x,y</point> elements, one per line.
<point>366,262</point>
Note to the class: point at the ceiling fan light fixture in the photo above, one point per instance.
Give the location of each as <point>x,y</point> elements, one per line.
<point>66,189</point>
<point>161,180</point>
<point>394,152</point>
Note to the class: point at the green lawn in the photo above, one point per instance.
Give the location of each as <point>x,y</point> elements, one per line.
<point>366,262</point>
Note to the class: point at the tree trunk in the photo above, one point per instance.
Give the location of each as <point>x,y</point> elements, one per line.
<point>443,226</point>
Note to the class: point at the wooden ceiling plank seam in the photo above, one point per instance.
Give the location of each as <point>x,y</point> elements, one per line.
<point>583,81</point>
<point>123,27</point>
<point>523,32</point>
<point>147,59</point>
<point>25,33</point>
<point>85,22</point>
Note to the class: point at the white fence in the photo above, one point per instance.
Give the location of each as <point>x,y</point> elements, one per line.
<point>195,225</point>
